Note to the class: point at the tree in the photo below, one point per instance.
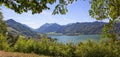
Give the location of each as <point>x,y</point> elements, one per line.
<point>100,9</point>
<point>106,9</point>
<point>3,43</point>
<point>3,29</point>
<point>36,6</point>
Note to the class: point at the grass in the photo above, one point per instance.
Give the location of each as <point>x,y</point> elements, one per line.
<point>15,54</point>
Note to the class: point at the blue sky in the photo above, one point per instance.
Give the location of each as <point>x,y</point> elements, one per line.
<point>78,12</point>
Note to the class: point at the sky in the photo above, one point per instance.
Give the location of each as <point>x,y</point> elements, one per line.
<point>78,12</point>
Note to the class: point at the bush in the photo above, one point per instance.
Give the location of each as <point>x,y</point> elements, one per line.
<point>93,49</point>
<point>20,45</point>
<point>3,43</point>
<point>52,48</point>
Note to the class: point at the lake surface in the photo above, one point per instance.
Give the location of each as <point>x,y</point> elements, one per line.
<point>75,39</point>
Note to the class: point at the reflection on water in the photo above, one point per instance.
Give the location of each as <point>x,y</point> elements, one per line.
<point>75,39</point>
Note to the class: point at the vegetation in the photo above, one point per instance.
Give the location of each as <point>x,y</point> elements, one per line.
<point>46,47</point>
<point>3,43</point>
<point>86,28</point>
<point>76,28</point>
<point>3,28</point>
<point>37,6</point>
<point>100,9</point>
<point>107,9</point>
<point>15,54</point>
<point>21,28</point>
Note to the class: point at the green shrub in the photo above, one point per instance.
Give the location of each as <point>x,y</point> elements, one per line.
<point>20,45</point>
<point>3,43</point>
<point>93,49</point>
<point>52,48</point>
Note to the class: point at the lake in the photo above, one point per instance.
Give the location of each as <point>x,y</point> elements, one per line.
<point>75,39</point>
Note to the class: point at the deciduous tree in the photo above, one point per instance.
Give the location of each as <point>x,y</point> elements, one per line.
<point>106,9</point>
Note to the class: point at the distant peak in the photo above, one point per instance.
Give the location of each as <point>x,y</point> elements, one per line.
<point>55,23</point>
<point>11,20</point>
<point>51,24</point>
<point>46,24</point>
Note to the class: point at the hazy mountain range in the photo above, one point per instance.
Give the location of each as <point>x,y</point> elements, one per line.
<point>74,28</point>
<point>69,29</point>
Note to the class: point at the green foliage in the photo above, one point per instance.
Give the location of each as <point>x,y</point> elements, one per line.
<point>47,47</point>
<point>36,6</point>
<point>12,38</point>
<point>3,28</point>
<point>3,43</point>
<point>20,45</point>
<point>100,9</point>
<point>93,49</point>
<point>103,9</point>
<point>3,34</point>
<point>110,31</point>
<point>106,9</point>
<point>83,49</point>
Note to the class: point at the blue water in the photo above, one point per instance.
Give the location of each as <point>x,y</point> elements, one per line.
<point>75,39</point>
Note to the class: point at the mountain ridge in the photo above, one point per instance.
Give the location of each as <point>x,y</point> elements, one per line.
<point>85,28</point>
<point>21,28</point>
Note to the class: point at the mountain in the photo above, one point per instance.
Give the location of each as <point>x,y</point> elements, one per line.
<point>13,32</point>
<point>82,28</point>
<point>74,28</point>
<point>77,28</point>
<point>21,28</point>
<point>49,28</point>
